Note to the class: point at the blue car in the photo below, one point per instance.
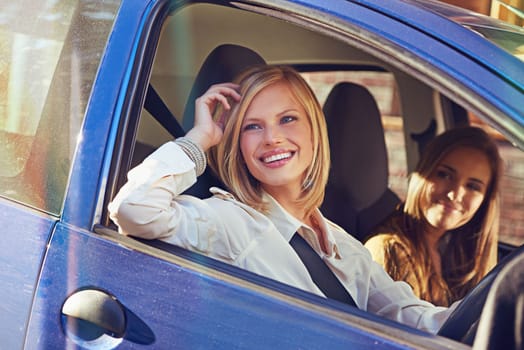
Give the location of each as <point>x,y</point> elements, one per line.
<point>90,87</point>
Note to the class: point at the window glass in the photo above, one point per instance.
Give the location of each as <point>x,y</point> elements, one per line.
<point>511,41</point>
<point>49,55</point>
<point>512,194</point>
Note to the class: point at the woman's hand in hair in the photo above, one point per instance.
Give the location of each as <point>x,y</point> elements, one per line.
<point>207,132</point>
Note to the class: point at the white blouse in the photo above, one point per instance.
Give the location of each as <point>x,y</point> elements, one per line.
<point>150,206</point>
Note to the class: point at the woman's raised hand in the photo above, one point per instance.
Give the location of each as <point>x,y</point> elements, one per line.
<point>207,132</point>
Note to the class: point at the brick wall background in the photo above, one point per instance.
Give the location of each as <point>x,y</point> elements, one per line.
<point>381,85</point>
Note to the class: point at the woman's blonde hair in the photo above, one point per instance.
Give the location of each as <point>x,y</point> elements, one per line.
<point>226,158</point>
<point>470,250</point>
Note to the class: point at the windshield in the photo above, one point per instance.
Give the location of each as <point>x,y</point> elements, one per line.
<point>49,56</point>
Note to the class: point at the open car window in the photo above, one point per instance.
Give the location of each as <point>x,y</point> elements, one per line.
<point>408,106</point>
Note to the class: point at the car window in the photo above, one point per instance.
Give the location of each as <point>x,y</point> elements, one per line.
<point>512,194</point>
<point>510,41</point>
<point>49,55</point>
<point>177,62</point>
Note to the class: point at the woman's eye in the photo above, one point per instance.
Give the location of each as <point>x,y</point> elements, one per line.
<point>253,126</point>
<point>475,187</point>
<point>442,174</point>
<point>288,119</point>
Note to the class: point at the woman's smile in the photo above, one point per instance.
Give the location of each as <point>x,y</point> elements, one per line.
<point>456,189</point>
<point>276,158</point>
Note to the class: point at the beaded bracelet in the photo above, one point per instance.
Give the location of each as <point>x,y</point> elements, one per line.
<point>194,152</point>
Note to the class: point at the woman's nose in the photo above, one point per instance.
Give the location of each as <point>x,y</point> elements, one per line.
<point>272,135</point>
<point>456,192</point>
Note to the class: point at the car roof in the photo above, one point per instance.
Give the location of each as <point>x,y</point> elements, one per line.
<point>453,26</point>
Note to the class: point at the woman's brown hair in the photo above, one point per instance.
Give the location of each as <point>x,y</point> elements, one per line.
<point>469,252</point>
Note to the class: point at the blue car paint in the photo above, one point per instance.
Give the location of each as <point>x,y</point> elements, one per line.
<point>163,295</point>
<point>186,310</point>
<point>98,137</point>
<point>415,14</point>
<point>25,234</point>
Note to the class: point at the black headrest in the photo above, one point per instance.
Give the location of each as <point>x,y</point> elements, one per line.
<point>357,193</point>
<point>358,148</point>
<point>222,64</point>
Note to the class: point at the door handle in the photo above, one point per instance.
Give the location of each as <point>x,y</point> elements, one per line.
<point>94,319</point>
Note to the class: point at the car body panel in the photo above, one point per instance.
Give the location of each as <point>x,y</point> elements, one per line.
<point>97,139</point>
<point>441,27</point>
<point>23,245</point>
<point>184,308</point>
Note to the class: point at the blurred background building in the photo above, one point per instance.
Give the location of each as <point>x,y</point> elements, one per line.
<point>511,11</point>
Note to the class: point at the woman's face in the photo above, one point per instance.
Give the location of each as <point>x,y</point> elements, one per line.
<point>275,139</point>
<point>456,188</point>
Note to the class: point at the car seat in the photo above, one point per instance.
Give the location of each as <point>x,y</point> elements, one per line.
<point>222,64</point>
<point>357,194</point>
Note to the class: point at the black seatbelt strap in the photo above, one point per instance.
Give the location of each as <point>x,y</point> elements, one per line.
<point>322,275</point>
<point>158,109</point>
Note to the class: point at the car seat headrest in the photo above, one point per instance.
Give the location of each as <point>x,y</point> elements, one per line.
<point>357,190</point>
<point>359,154</point>
<point>222,64</point>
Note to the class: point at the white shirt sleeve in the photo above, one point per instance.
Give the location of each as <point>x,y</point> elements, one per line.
<point>150,206</point>
<point>395,300</point>
<point>143,206</point>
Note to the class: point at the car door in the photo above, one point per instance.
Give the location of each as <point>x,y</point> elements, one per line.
<point>24,238</point>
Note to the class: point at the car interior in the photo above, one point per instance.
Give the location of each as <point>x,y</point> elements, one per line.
<point>185,65</point>
<point>202,44</point>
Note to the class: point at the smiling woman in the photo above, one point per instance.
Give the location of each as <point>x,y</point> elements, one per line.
<point>276,141</point>
<point>451,215</point>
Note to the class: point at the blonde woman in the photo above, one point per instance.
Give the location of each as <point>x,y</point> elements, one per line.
<point>443,240</point>
<point>268,144</point>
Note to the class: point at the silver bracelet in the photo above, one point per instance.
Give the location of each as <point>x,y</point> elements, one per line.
<point>194,152</point>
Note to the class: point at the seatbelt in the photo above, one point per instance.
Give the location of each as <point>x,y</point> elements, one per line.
<point>158,109</point>
<point>322,275</point>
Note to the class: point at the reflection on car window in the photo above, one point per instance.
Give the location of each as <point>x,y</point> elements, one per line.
<point>49,54</point>
<point>512,192</point>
